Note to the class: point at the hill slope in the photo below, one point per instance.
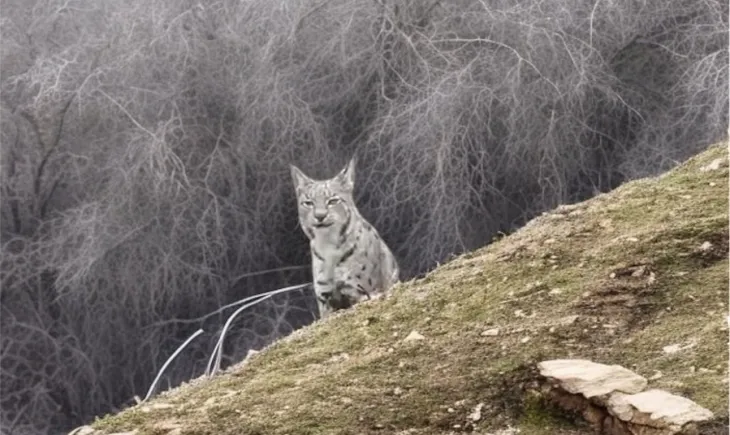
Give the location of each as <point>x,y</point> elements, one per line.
<point>614,279</point>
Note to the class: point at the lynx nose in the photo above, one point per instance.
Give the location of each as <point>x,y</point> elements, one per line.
<point>319,215</point>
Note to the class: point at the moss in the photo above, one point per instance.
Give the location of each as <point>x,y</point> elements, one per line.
<point>632,265</point>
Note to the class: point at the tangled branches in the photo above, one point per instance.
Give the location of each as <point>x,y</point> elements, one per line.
<point>146,148</point>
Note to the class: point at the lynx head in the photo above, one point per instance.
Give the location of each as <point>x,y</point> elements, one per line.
<point>325,204</point>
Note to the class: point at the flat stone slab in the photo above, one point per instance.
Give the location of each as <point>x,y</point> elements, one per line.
<point>611,398</point>
<point>579,376</point>
<point>657,408</point>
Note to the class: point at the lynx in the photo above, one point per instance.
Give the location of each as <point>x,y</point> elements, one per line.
<point>350,261</point>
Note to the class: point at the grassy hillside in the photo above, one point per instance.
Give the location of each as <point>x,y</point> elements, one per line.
<point>614,279</point>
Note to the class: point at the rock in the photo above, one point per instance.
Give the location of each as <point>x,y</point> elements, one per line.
<point>706,246</point>
<point>657,408</point>
<point>567,320</point>
<point>612,400</point>
<point>414,335</point>
<point>591,379</point>
<point>657,375</point>
<point>674,348</point>
<point>713,165</point>
<point>490,332</point>
<point>476,413</point>
<point>156,406</point>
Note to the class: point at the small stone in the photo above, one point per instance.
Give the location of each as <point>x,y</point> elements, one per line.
<point>524,340</point>
<point>674,348</point>
<point>639,271</point>
<point>490,332</point>
<point>651,279</point>
<point>657,375</point>
<point>712,166</point>
<point>340,357</point>
<point>450,410</point>
<point>632,239</point>
<point>413,336</point>
<point>706,246</point>
<point>156,406</point>
<point>476,413</point>
<point>398,391</point>
<point>568,320</point>
<point>555,291</point>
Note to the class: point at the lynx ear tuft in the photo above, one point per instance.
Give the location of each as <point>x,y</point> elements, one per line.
<point>347,175</point>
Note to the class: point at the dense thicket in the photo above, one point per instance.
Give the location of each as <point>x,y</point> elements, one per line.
<point>145,152</point>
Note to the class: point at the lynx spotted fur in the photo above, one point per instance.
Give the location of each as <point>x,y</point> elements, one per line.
<point>350,261</point>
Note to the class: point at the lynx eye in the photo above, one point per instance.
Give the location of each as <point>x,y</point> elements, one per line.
<point>333,201</point>
<point>307,203</point>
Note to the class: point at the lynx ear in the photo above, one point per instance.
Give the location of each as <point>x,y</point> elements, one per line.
<point>299,178</point>
<point>347,175</point>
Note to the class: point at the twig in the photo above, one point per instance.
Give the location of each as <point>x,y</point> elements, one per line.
<point>169,360</point>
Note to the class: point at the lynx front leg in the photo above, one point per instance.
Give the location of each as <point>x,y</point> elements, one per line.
<point>324,308</point>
